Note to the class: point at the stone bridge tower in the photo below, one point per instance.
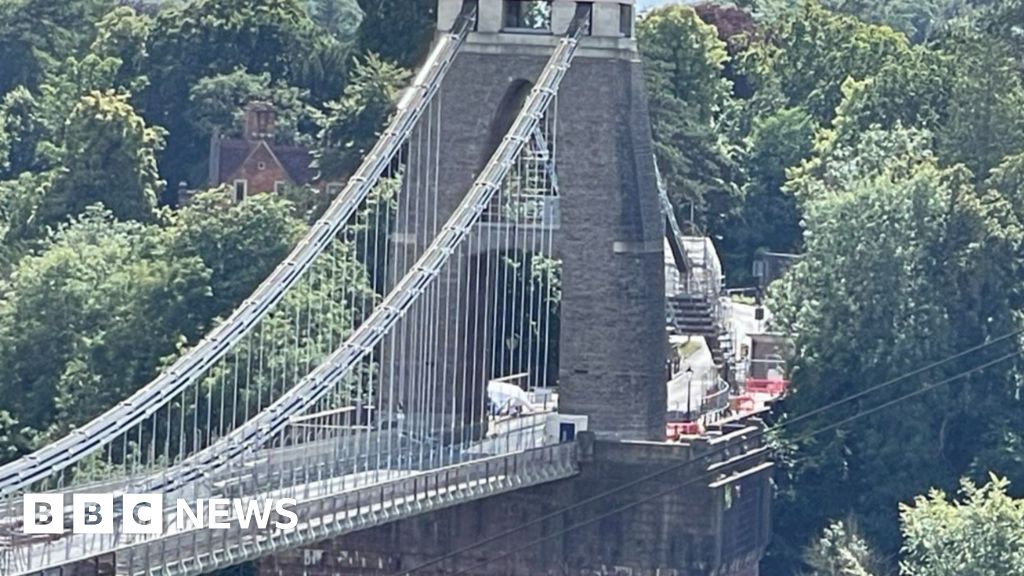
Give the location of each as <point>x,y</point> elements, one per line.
<point>609,237</point>
<point>612,349</point>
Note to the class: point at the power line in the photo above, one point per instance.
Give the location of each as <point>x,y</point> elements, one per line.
<point>676,467</point>
<point>706,476</point>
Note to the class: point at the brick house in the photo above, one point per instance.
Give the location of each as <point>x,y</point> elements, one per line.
<point>255,163</point>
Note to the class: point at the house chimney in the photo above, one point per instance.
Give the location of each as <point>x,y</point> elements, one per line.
<point>260,118</point>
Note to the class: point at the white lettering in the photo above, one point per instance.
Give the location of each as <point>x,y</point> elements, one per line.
<point>145,514</point>
<point>184,510</point>
<point>284,508</point>
<point>220,513</point>
<point>246,513</point>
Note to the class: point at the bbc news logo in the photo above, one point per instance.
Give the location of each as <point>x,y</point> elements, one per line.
<point>144,514</point>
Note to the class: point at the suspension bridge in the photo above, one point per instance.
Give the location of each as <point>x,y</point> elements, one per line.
<point>505,230</point>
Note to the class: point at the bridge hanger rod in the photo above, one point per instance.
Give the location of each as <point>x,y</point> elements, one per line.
<point>190,367</point>
<point>250,436</point>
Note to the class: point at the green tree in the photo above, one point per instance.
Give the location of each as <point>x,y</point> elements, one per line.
<point>20,132</point>
<point>208,38</point>
<point>917,19</point>
<point>1004,444</point>
<point>812,52</point>
<point>968,95</point>
<point>904,264</point>
<point>216,105</point>
<point>397,30</point>
<point>240,243</point>
<point>352,124</point>
<point>19,201</point>
<point>339,17</point>
<point>32,124</point>
<point>688,94</point>
<point>103,304</point>
<point>62,90</point>
<point>985,119</point>
<point>312,319</point>
<point>980,535</point>
<point>14,438</point>
<point>36,33</point>
<point>89,318</point>
<point>842,551</point>
<point>911,92</point>
<point>1001,19</point>
<point>108,155</point>
<point>124,34</point>
<point>768,217</point>
<point>324,73</point>
<point>682,51</point>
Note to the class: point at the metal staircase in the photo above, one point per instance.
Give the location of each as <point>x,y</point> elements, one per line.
<point>693,308</point>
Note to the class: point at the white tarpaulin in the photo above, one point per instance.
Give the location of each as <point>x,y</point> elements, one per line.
<point>504,397</point>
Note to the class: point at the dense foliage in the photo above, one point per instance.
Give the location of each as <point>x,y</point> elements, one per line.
<point>104,103</point>
<point>882,140</point>
<point>981,534</point>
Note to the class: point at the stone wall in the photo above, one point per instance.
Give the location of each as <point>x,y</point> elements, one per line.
<point>610,236</point>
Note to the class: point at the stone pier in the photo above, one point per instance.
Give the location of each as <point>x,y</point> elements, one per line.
<point>714,520</point>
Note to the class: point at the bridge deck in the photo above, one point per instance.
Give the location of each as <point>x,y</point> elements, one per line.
<point>325,514</point>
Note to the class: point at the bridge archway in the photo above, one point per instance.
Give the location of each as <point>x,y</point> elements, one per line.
<point>505,115</point>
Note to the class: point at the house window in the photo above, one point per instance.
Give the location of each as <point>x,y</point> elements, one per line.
<point>626,20</point>
<point>264,123</point>
<point>241,190</point>
<point>333,189</point>
<point>261,165</point>
<point>528,15</point>
<point>279,187</point>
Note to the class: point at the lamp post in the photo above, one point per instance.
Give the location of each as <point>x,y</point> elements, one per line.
<point>689,392</point>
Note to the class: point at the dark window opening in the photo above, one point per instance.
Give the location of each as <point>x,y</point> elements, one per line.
<point>589,30</point>
<point>473,6</point>
<point>566,432</point>
<point>509,107</point>
<point>264,123</point>
<point>241,188</point>
<point>626,20</point>
<point>528,15</point>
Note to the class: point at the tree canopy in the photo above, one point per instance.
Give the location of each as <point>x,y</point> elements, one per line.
<point>981,534</point>
<point>689,96</point>
<point>101,103</point>
<point>108,156</point>
<point>904,263</point>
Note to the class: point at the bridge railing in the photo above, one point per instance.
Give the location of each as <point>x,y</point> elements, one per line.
<point>325,513</point>
<point>336,514</point>
<point>715,403</point>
